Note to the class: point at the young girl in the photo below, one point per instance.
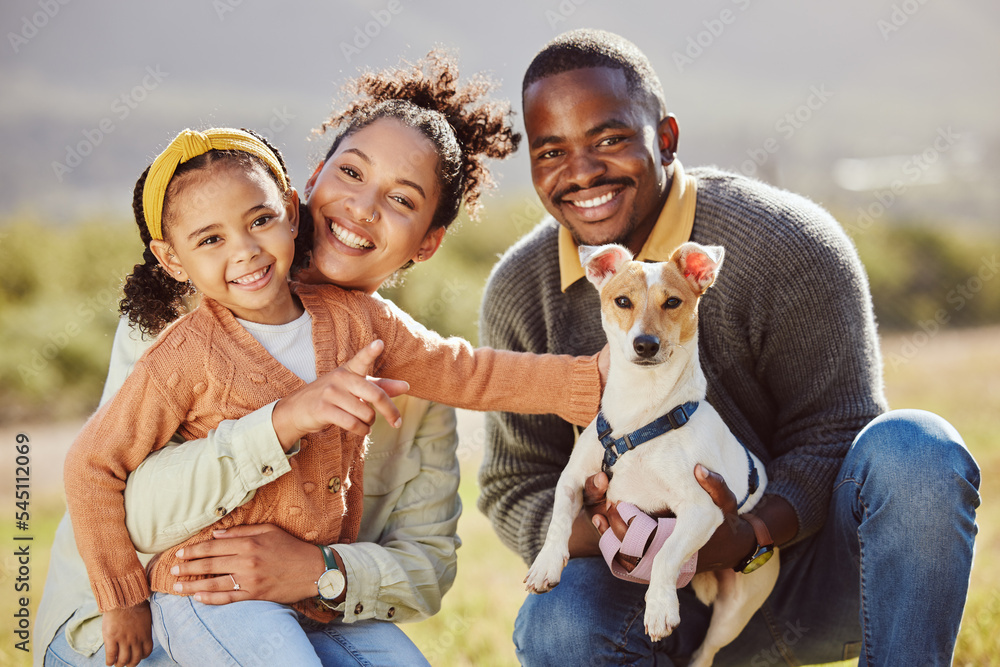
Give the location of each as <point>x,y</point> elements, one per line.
<point>216,210</point>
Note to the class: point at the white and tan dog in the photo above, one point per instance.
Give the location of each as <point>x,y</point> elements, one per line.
<point>650,316</point>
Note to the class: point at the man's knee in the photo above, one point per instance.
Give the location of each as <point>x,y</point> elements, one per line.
<point>914,451</point>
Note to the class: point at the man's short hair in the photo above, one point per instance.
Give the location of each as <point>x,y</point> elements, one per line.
<point>587,48</point>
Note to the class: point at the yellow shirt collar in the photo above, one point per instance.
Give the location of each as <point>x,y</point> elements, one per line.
<point>672,228</point>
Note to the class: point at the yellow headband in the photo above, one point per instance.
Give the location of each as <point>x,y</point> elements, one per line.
<point>189,144</point>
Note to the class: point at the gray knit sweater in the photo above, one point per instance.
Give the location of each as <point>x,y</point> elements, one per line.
<point>786,337</point>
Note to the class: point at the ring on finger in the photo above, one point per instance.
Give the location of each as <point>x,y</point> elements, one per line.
<point>236,586</point>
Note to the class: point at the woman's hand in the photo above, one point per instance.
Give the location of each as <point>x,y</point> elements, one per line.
<point>266,562</point>
<point>344,397</point>
<point>128,635</point>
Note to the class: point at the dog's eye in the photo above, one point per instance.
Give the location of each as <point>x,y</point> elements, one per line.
<point>623,302</point>
<point>671,303</point>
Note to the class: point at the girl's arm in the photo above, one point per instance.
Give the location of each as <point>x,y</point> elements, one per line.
<point>451,371</point>
<point>96,467</point>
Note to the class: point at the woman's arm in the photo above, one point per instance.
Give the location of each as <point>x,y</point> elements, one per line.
<point>184,487</point>
<point>405,558</point>
<point>178,490</point>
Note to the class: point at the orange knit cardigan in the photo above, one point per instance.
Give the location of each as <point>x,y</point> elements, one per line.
<point>206,368</point>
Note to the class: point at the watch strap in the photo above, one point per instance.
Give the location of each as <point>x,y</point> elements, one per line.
<point>760,530</point>
<point>328,558</point>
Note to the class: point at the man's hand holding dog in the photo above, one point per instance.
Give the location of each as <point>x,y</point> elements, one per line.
<point>730,543</point>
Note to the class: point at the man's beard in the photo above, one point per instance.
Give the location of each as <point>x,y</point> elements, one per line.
<point>631,225</point>
<point>620,239</point>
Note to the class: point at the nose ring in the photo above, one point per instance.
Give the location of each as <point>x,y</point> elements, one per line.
<point>371,219</point>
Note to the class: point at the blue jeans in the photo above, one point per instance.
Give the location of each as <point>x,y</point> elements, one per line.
<point>885,579</point>
<point>365,643</point>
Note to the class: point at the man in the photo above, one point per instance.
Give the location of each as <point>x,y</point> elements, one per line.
<point>874,511</point>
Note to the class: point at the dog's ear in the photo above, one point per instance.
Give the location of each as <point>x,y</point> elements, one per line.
<point>602,262</point>
<point>699,264</point>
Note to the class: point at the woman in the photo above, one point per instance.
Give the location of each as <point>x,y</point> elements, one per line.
<point>410,134</point>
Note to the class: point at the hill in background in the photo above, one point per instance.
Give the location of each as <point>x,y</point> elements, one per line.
<point>879,107</point>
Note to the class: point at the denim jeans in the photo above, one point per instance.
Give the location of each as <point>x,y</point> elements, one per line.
<point>884,580</point>
<point>365,643</point>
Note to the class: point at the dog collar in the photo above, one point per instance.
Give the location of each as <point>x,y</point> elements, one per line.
<point>674,419</point>
<point>613,449</point>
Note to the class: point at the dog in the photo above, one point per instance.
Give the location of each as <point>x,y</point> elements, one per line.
<point>650,315</point>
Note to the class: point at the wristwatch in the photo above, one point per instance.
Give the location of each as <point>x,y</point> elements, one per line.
<point>762,551</point>
<point>332,582</point>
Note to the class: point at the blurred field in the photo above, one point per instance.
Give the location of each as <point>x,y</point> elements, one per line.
<point>60,285</point>
<point>955,373</point>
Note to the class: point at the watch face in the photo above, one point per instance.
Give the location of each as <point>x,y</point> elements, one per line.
<point>759,559</point>
<point>331,584</point>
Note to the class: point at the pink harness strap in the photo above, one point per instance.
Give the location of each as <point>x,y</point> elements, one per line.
<point>635,541</point>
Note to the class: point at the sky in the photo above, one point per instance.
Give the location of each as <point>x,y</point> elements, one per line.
<point>841,101</point>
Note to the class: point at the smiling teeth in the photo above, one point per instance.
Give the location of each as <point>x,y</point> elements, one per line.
<point>348,238</point>
<point>253,277</point>
<point>591,203</point>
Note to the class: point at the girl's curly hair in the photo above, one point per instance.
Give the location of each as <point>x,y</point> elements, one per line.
<point>152,297</point>
<point>463,124</point>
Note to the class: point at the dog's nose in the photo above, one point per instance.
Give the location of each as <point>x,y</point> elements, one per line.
<point>645,345</point>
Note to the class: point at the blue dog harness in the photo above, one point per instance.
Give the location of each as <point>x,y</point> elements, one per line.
<point>674,419</point>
